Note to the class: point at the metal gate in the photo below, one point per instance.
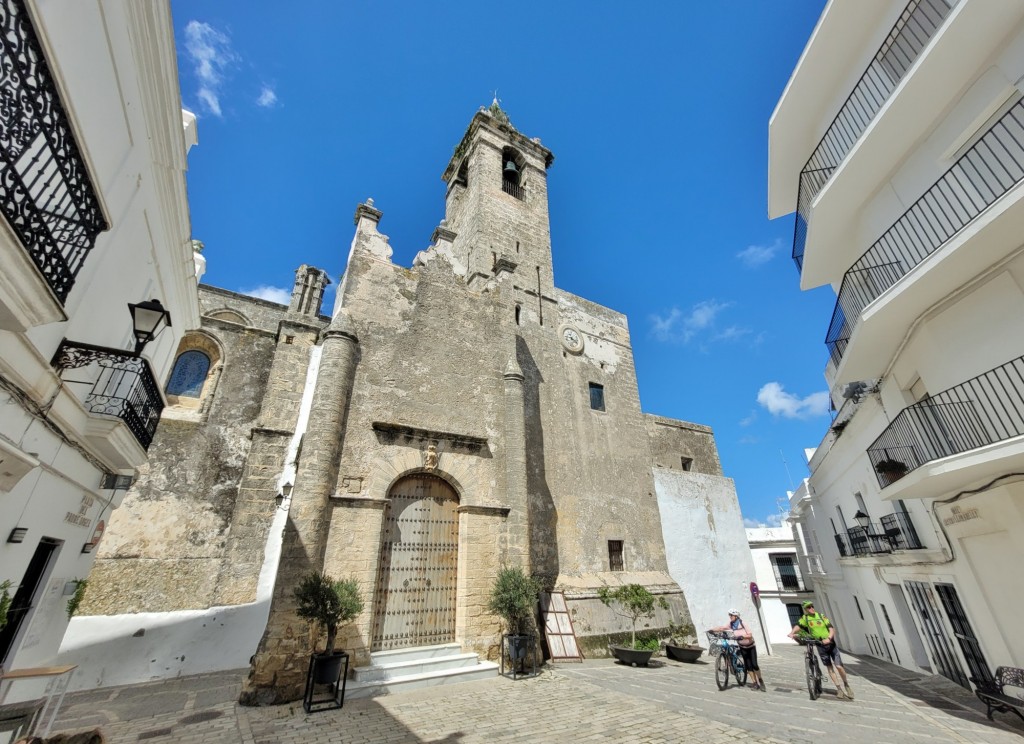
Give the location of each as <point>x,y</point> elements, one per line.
<point>414,604</point>
<point>964,633</point>
<point>923,600</point>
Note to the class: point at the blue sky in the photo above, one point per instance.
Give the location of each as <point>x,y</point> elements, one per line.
<point>658,117</point>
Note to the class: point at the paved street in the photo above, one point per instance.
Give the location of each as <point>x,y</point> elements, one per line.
<point>594,701</point>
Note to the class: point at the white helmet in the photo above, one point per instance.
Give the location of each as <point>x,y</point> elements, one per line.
<point>734,612</point>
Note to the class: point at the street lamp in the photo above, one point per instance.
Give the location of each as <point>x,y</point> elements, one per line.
<point>862,519</point>
<point>284,493</point>
<point>148,318</point>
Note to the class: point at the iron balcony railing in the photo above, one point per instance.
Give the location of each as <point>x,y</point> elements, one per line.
<point>893,532</point>
<point>124,388</point>
<point>46,195</point>
<point>986,409</point>
<point>916,25</point>
<point>987,171</point>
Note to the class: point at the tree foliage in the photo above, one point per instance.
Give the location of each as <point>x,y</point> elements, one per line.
<point>327,603</point>
<point>513,598</point>
<point>634,600</point>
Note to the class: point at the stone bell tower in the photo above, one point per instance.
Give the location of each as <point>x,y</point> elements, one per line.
<point>497,202</point>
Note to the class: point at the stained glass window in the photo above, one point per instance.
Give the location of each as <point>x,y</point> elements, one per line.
<point>189,374</point>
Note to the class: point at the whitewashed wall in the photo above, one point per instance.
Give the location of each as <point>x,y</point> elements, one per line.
<point>706,547</point>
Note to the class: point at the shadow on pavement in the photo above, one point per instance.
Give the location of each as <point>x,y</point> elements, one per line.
<point>933,691</point>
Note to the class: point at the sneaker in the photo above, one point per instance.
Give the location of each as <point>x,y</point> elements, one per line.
<point>753,685</point>
<point>764,687</point>
<point>840,694</point>
<point>849,692</point>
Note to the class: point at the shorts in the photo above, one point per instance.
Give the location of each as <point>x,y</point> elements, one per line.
<point>829,655</point>
<point>750,658</point>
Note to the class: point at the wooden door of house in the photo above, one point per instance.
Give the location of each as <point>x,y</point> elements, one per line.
<point>414,604</point>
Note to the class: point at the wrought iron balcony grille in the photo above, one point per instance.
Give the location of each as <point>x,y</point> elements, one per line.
<point>512,189</point>
<point>986,409</point>
<point>916,25</point>
<point>987,171</point>
<point>125,387</point>
<point>893,532</point>
<point>45,192</point>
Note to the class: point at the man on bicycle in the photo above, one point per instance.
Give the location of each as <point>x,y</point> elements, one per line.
<point>818,627</point>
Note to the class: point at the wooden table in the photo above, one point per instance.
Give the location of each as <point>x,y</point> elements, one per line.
<point>58,678</point>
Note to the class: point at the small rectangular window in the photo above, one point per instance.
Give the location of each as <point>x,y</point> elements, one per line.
<point>615,555</point>
<point>596,396</point>
<point>887,620</point>
<point>289,339</point>
<point>686,463</point>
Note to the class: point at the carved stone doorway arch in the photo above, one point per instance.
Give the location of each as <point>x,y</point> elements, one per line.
<point>414,604</point>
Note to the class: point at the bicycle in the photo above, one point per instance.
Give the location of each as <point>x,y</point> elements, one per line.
<point>811,665</point>
<point>724,646</point>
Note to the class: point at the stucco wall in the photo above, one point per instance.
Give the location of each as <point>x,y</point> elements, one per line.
<point>706,546</point>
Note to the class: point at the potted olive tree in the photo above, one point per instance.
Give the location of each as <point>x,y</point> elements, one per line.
<point>513,599</point>
<point>635,602</point>
<point>328,605</point>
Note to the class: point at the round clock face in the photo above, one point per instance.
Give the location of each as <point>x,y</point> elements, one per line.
<point>572,339</point>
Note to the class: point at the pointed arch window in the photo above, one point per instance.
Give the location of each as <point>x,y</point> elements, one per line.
<point>189,374</point>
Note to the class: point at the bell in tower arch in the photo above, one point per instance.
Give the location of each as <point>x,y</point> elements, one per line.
<point>510,173</point>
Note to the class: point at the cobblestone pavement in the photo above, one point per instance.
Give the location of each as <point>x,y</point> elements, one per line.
<point>594,701</point>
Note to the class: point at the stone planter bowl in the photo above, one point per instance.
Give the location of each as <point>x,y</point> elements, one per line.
<point>689,654</point>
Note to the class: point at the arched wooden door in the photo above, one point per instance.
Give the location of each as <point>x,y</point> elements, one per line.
<point>414,604</point>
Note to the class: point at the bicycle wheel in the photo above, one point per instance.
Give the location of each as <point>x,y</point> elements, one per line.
<point>739,671</point>
<point>813,677</point>
<point>722,670</point>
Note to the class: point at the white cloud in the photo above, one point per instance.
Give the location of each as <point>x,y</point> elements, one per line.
<point>682,327</point>
<point>211,55</point>
<point>749,419</point>
<point>272,294</point>
<point>757,255</point>
<point>267,98</point>
<point>778,402</point>
<point>772,520</point>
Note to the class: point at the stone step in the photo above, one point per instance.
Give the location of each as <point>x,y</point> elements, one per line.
<point>482,670</point>
<point>384,672</point>
<point>415,652</point>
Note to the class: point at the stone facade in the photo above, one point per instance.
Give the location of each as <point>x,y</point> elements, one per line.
<point>471,367</point>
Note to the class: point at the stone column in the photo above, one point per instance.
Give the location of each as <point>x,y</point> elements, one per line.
<point>279,667</point>
<point>516,497</point>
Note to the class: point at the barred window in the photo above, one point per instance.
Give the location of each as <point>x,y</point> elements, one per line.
<point>615,555</point>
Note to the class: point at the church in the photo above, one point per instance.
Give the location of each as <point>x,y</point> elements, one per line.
<point>438,423</point>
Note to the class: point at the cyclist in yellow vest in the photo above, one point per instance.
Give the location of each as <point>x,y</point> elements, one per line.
<point>820,628</point>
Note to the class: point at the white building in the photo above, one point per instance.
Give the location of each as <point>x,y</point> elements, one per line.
<point>780,582</point>
<point>93,216</point>
<point>899,141</point>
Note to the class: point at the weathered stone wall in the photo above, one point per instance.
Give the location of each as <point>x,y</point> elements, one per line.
<point>480,530</point>
<point>164,545</point>
<point>674,443</point>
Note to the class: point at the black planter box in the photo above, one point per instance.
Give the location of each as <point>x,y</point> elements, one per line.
<point>330,670</point>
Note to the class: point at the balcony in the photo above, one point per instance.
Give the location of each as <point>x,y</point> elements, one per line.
<point>982,411</point>
<point>46,198</point>
<point>122,386</point>
<point>908,37</point>
<point>983,174</point>
<point>894,532</point>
